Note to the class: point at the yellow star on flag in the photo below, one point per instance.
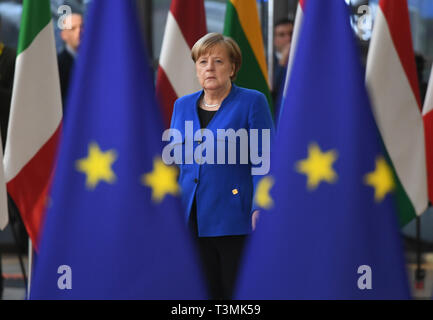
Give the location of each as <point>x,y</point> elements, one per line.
<point>162,180</point>
<point>318,166</point>
<point>381,179</point>
<point>97,166</point>
<point>263,197</point>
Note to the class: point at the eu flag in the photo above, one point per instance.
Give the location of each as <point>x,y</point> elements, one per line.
<point>114,226</point>
<point>330,231</point>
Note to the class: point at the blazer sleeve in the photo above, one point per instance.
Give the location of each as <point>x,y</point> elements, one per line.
<point>260,118</point>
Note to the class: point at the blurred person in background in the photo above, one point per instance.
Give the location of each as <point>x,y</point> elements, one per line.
<point>7,67</point>
<point>283,31</point>
<point>72,38</point>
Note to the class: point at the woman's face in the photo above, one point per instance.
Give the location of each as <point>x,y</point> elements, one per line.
<point>214,68</point>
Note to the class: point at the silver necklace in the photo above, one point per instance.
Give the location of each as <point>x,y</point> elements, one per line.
<point>210,105</point>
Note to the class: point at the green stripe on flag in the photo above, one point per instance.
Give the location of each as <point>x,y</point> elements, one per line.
<point>36,15</point>
<point>250,75</point>
<point>405,210</point>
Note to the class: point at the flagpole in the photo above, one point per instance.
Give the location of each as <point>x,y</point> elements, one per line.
<point>419,272</point>
<point>271,43</point>
<point>30,254</point>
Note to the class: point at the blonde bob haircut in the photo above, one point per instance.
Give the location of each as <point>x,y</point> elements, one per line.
<point>209,41</point>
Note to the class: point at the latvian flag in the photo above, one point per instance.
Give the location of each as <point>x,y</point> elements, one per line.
<point>186,23</point>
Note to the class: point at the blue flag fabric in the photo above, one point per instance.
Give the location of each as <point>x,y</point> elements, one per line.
<point>332,231</point>
<point>114,229</point>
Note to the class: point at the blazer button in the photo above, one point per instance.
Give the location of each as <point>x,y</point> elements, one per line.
<point>196,180</point>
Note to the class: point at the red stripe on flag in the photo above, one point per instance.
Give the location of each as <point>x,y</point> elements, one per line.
<point>302,3</point>
<point>428,129</point>
<point>165,95</point>
<point>29,189</point>
<point>191,18</point>
<point>397,16</point>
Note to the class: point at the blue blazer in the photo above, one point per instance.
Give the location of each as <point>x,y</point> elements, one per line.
<point>223,192</point>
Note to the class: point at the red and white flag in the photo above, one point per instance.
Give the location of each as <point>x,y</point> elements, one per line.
<point>35,117</point>
<point>186,23</point>
<point>394,91</point>
<point>428,129</point>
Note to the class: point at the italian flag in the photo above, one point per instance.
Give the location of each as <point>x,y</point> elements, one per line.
<point>393,85</point>
<point>242,25</point>
<point>35,117</point>
<point>186,23</point>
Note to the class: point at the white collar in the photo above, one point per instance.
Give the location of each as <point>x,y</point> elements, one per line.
<point>71,51</point>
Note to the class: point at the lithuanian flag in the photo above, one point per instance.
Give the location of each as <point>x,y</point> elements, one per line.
<point>242,25</point>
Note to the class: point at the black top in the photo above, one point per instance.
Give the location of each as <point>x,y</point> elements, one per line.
<point>65,61</point>
<point>205,116</point>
